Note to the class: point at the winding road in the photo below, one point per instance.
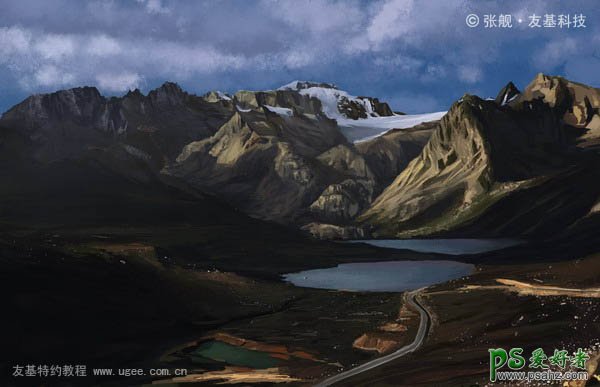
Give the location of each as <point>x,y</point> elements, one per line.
<point>424,323</point>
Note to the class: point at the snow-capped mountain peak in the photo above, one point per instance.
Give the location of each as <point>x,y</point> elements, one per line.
<point>360,118</point>
<point>338,104</point>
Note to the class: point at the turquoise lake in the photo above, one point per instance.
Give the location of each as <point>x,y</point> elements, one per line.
<point>234,355</point>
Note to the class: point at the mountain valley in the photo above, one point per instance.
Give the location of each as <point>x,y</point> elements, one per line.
<point>142,230</point>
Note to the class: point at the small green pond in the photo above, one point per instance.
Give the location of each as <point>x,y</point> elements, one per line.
<point>233,355</point>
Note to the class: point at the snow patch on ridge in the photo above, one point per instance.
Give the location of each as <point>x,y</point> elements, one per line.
<point>372,127</point>
<point>223,96</point>
<point>280,110</point>
<point>241,110</point>
<point>507,100</point>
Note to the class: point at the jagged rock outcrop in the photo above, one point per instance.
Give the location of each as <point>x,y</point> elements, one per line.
<point>363,107</point>
<point>217,97</point>
<point>507,94</point>
<point>333,231</point>
<point>342,202</point>
<point>577,104</point>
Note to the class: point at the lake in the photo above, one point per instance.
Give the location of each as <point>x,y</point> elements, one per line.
<point>389,276</point>
<point>398,276</point>
<point>444,246</point>
<point>234,355</point>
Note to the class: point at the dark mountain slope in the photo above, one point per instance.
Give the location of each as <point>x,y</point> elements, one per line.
<point>388,154</point>
<point>68,122</point>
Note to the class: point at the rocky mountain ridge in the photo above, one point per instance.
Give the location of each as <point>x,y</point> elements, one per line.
<point>485,154</point>
<point>66,123</point>
<point>277,155</point>
<point>289,155</point>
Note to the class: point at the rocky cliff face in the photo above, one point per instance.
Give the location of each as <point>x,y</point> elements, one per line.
<point>578,105</point>
<point>484,155</point>
<point>341,202</point>
<point>363,107</point>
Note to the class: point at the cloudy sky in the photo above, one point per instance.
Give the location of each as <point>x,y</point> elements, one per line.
<point>419,55</point>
